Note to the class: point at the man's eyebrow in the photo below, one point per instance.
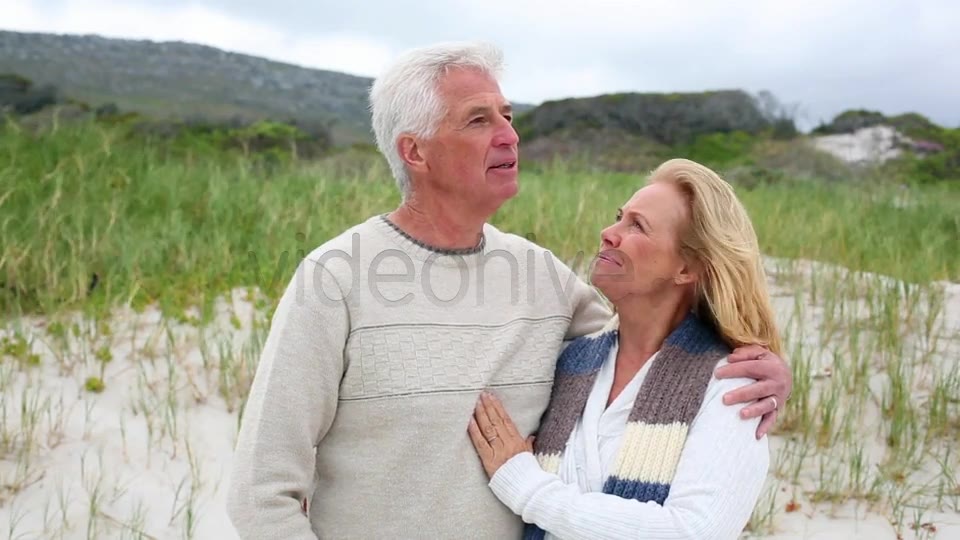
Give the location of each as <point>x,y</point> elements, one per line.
<point>477,109</point>
<point>480,109</point>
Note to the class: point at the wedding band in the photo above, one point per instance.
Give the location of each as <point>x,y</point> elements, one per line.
<point>495,437</point>
<point>775,404</point>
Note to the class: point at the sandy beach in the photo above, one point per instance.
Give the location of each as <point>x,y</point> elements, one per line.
<point>147,456</point>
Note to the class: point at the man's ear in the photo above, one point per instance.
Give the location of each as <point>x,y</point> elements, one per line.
<point>409,148</point>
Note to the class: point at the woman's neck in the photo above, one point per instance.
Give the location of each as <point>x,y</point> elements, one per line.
<point>645,325</point>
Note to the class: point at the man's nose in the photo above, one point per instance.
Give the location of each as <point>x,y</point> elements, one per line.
<point>506,134</point>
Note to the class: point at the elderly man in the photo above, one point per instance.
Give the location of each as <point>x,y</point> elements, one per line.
<point>356,423</point>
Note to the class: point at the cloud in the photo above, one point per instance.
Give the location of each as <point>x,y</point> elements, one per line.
<point>196,23</point>
<point>825,55</point>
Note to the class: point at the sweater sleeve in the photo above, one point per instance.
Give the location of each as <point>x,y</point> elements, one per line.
<point>291,405</point>
<point>718,480</point>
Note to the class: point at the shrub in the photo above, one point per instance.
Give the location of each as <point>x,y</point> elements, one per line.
<point>21,96</point>
<point>720,150</point>
<point>850,121</point>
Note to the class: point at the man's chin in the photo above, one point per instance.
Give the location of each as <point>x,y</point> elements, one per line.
<point>504,186</point>
<point>503,175</point>
<point>511,189</point>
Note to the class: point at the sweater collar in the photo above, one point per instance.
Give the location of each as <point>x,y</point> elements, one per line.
<point>424,252</point>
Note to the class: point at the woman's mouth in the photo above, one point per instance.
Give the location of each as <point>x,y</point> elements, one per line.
<point>608,259</point>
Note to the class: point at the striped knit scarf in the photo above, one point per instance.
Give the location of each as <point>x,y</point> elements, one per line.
<point>667,403</point>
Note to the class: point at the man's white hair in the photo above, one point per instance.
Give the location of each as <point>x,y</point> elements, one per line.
<point>404,99</point>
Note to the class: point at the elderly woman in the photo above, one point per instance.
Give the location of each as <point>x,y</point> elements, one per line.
<point>636,441</point>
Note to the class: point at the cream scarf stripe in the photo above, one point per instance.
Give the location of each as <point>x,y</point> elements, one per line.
<point>668,402</point>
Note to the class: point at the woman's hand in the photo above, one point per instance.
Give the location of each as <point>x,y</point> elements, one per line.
<point>494,434</point>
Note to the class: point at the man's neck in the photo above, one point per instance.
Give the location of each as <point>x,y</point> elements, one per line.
<point>440,226</point>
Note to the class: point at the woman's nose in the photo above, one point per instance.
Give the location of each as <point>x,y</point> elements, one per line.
<point>609,237</point>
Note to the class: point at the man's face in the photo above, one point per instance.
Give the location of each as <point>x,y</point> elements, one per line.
<point>473,154</point>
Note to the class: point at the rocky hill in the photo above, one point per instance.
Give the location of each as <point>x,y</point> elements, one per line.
<point>670,119</point>
<point>184,80</point>
<point>930,152</point>
<point>852,120</point>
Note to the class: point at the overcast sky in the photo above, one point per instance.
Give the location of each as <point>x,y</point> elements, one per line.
<point>822,55</point>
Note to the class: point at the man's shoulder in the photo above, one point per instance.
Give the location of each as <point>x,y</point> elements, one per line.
<point>335,258</point>
<point>511,240</point>
<point>517,244</point>
<point>345,242</point>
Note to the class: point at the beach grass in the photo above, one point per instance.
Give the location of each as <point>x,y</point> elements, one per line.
<point>137,280</point>
<point>93,217</point>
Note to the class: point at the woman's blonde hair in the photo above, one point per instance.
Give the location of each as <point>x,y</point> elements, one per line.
<point>720,240</point>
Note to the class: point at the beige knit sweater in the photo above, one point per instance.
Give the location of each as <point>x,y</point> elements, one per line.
<point>375,358</point>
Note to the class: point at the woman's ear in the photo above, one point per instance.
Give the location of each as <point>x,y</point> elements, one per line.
<point>689,273</point>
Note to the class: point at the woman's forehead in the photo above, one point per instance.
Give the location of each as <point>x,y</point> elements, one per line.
<point>657,202</point>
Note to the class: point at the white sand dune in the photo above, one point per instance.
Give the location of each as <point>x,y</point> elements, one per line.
<point>874,144</point>
<point>148,456</point>
<point>151,451</point>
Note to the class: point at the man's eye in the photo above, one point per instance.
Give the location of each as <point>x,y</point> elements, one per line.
<point>478,120</point>
<point>509,118</point>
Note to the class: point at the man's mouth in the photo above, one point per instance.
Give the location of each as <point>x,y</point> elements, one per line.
<point>505,165</point>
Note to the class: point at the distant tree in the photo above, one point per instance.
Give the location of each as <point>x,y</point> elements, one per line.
<point>107,109</point>
<point>850,121</point>
<point>782,118</point>
<point>19,94</point>
<point>272,140</point>
<point>915,125</point>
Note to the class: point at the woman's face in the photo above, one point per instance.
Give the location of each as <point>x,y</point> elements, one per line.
<point>640,252</point>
